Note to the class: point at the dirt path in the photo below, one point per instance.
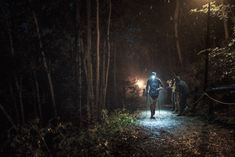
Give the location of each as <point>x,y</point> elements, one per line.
<point>170,135</point>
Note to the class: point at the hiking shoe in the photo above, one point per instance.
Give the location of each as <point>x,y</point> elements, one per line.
<point>152,118</point>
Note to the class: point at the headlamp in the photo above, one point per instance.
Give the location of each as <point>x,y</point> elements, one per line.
<point>153,77</point>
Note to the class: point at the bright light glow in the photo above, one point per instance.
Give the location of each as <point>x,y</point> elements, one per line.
<point>164,120</point>
<point>153,77</point>
<point>140,84</point>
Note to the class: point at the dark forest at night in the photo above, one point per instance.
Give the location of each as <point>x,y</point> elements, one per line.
<point>107,78</point>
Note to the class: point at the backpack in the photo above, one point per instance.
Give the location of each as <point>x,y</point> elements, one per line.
<point>154,84</point>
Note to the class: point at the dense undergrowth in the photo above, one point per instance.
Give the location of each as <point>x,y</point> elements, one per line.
<point>65,139</point>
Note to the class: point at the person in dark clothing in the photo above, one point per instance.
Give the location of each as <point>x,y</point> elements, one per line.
<point>168,88</point>
<point>153,86</point>
<point>173,95</point>
<point>183,91</point>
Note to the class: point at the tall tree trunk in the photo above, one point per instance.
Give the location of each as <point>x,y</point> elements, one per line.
<point>37,94</point>
<point>45,64</point>
<point>103,72</point>
<point>225,20</point>
<point>176,25</point>
<point>78,67</point>
<point>108,52</point>
<point>115,76</point>
<point>97,105</point>
<point>80,78</point>
<point>90,89</point>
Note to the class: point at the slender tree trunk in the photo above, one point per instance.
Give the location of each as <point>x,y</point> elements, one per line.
<point>8,116</point>
<point>76,45</point>
<point>225,20</point>
<point>115,76</point>
<point>85,62</point>
<point>176,24</point>
<point>37,94</point>
<point>45,64</point>
<point>108,52</point>
<point>97,105</point>
<point>90,91</point>
<point>80,79</point>
<point>78,65</point>
<point>226,30</point>
<point>103,72</point>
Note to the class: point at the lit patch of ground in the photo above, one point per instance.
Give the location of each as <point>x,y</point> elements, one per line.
<point>164,120</point>
<point>170,135</point>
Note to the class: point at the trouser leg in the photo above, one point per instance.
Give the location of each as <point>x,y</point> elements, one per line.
<point>182,106</point>
<point>172,101</point>
<point>152,109</point>
<point>176,103</point>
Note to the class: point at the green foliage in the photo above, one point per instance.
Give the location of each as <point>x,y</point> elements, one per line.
<point>217,10</point>
<point>221,65</point>
<point>118,120</point>
<point>64,139</point>
<point>222,62</point>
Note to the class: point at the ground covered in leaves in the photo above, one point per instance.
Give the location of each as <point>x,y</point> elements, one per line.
<point>124,135</point>
<point>170,135</point>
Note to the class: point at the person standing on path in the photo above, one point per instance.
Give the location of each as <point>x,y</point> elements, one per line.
<point>183,91</point>
<point>153,86</point>
<point>173,95</point>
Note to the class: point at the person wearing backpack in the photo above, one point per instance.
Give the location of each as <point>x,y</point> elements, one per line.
<point>153,87</point>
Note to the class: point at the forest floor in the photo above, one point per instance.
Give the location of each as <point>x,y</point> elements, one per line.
<point>172,135</point>
<point>124,134</point>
